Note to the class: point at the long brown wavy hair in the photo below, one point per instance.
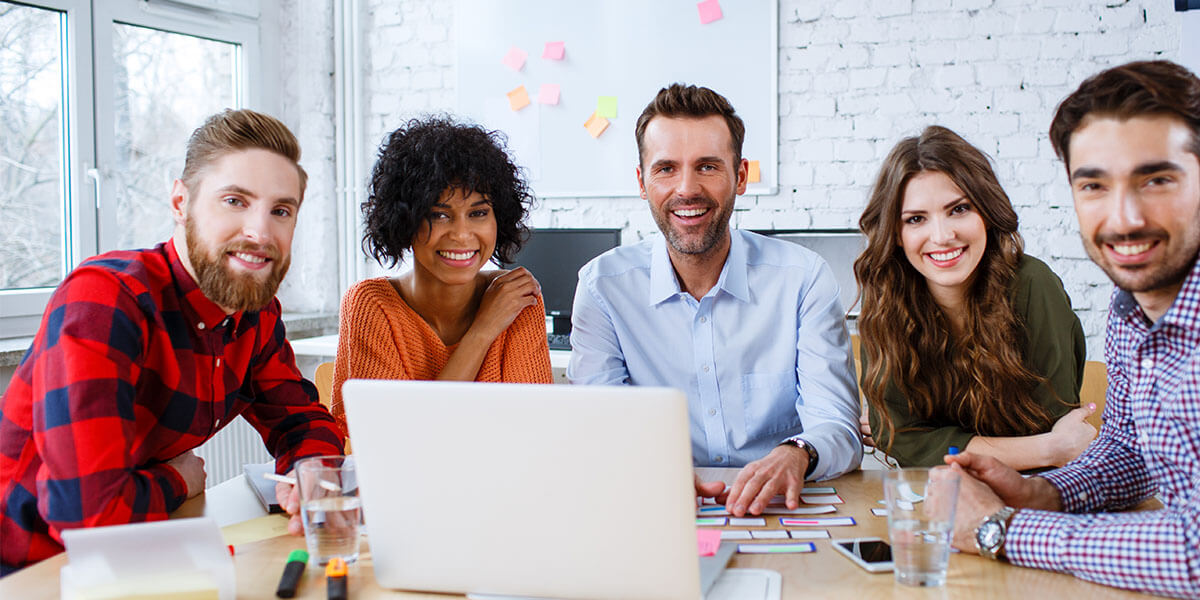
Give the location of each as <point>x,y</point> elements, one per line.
<point>976,378</point>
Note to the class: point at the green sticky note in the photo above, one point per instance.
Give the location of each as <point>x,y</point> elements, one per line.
<point>606,106</point>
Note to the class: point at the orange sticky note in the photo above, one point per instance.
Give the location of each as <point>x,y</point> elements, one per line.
<point>554,51</point>
<point>596,125</point>
<point>518,98</point>
<point>548,93</point>
<point>753,175</point>
<point>708,541</point>
<point>515,59</point>
<point>710,10</point>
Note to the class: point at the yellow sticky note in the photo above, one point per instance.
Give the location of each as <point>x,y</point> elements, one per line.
<point>518,98</point>
<point>753,175</point>
<point>255,529</point>
<point>606,106</point>
<point>596,125</point>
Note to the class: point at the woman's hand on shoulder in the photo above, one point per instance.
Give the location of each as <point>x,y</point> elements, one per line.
<point>508,293</point>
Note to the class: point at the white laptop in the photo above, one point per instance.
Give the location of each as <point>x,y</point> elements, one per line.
<point>527,490</point>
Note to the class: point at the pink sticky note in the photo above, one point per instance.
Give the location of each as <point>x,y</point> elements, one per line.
<point>515,59</point>
<point>554,51</point>
<point>708,541</point>
<point>518,98</point>
<point>548,93</point>
<point>710,10</point>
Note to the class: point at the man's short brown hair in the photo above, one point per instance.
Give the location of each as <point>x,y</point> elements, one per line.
<point>681,100</point>
<point>234,130</point>
<point>1136,89</point>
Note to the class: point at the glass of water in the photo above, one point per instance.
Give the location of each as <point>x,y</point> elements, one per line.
<point>330,507</point>
<point>920,507</point>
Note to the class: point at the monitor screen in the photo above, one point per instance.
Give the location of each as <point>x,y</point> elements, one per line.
<point>554,256</point>
<point>839,248</point>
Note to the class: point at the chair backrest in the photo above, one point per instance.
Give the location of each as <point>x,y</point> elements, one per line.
<point>1095,389</point>
<point>323,379</point>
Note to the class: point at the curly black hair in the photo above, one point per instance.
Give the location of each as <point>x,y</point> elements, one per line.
<point>421,160</point>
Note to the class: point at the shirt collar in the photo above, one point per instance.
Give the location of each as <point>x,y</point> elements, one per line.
<point>204,314</point>
<point>1182,308</point>
<point>664,284</point>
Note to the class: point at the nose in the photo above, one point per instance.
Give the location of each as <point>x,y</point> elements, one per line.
<point>460,230</point>
<point>689,184</point>
<point>1125,214</point>
<point>943,231</point>
<point>256,226</point>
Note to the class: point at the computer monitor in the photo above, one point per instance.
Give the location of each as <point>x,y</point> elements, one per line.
<point>554,256</point>
<point>839,248</point>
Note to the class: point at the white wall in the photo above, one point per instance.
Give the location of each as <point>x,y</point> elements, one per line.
<point>855,76</point>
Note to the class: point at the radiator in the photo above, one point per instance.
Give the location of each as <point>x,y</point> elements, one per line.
<point>225,453</point>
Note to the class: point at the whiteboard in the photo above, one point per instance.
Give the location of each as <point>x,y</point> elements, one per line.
<point>1189,42</point>
<point>624,48</point>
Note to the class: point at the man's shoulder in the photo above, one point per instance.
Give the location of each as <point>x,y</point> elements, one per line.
<point>762,250</point>
<point>139,271</point>
<point>620,260</point>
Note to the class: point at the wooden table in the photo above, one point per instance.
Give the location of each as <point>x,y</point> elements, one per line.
<point>824,574</point>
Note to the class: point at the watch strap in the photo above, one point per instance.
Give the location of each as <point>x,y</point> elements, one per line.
<point>1000,520</point>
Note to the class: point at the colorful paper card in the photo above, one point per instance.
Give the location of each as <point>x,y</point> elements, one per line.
<point>821,499</point>
<point>710,10</point>
<point>815,491</point>
<point>715,510</point>
<point>711,522</point>
<point>515,58</point>
<point>799,548</point>
<point>707,541</point>
<point>747,522</point>
<point>769,534</point>
<point>548,93</point>
<point>596,125</point>
<point>554,51</point>
<point>802,510</point>
<point>606,106</point>
<point>818,522</point>
<point>734,534</point>
<point>754,176</point>
<point>808,534</point>
<point>879,512</point>
<point>518,98</point>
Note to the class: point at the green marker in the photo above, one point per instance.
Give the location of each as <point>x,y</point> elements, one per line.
<point>292,572</point>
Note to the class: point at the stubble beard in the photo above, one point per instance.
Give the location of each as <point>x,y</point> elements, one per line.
<point>1171,271</point>
<point>693,245</point>
<point>226,288</point>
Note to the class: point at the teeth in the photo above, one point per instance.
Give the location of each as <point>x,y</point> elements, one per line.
<point>250,258</point>
<point>690,212</point>
<point>457,255</point>
<point>944,256</point>
<point>1131,249</point>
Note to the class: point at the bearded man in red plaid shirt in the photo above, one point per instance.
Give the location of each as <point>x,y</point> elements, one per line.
<point>143,355</point>
<point>1130,138</point>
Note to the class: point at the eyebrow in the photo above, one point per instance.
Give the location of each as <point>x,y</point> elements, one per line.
<point>1143,169</point>
<point>950,204</point>
<point>237,189</point>
<point>483,202</point>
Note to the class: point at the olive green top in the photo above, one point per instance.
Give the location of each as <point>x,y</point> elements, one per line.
<point>1055,350</point>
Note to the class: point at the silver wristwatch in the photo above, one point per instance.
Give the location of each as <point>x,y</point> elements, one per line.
<point>992,531</point>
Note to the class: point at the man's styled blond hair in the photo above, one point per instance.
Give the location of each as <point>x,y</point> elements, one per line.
<point>233,130</point>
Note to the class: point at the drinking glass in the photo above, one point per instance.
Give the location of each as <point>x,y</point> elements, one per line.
<point>920,507</point>
<point>330,507</point>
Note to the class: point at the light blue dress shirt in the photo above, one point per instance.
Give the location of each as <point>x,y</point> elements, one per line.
<point>763,357</point>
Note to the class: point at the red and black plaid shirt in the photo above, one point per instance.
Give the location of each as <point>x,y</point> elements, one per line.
<point>131,367</point>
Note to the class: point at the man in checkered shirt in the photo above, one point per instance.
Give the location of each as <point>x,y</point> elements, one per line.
<point>143,355</point>
<point>1130,138</point>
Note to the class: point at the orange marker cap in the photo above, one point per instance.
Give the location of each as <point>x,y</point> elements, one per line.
<point>335,568</point>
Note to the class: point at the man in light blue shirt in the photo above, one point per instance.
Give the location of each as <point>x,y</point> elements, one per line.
<point>749,327</point>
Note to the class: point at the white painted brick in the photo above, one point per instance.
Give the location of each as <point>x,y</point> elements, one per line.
<point>792,81</point>
<point>1061,47</point>
<point>869,30</point>
<point>831,82</point>
<point>1103,44</point>
<point>954,76</point>
<point>812,105</point>
<point>832,127</point>
<point>935,53</point>
<point>1076,21</point>
<point>1034,21</point>
<point>830,174</point>
<point>1017,147</point>
<point>815,150</point>
<point>988,24</point>
<point>833,32</point>
<point>847,9</point>
<point>925,6</point>
<point>795,173</point>
<point>970,4</point>
<point>853,150</point>
<point>867,78</point>
<point>1018,49</point>
<point>997,74</point>
<point>976,50</point>
<point>890,8</point>
<point>803,59</point>
<point>805,11</point>
<point>900,77</point>
<point>886,55</point>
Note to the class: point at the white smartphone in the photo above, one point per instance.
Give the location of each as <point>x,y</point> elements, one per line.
<point>870,553</point>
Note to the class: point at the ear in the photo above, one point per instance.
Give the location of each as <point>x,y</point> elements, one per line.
<point>743,175</point>
<point>641,183</point>
<point>179,202</point>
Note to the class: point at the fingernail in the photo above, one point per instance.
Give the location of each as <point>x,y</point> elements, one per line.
<point>1092,406</point>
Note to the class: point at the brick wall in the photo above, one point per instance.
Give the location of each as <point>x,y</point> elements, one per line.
<point>854,77</point>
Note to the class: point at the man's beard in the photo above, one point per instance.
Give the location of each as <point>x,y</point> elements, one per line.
<point>230,290</point>
<point>1170,271</point>
<point>717,229</point>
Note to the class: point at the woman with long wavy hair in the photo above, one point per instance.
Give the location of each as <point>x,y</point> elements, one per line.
<point>966,340</point>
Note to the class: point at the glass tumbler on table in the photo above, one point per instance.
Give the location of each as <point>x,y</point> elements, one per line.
<point>920,511</point>
<point>330,507</point>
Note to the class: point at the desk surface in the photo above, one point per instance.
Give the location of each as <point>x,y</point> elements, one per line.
<point>824,574</point>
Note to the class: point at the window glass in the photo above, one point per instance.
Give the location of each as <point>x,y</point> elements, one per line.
<point>166,85</point>
<point>31,147</point>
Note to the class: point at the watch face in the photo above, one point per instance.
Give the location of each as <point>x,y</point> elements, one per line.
<point>988,535</point>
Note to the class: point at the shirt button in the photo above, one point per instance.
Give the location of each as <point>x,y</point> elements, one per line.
<point>705,367</point>
<point>200,325</point>
<point>218,362</point>
<point>1147,363</point>
<point>719,459</point>
<point>712,412</point>
<point>703,319</point>
<point>1082,496</point>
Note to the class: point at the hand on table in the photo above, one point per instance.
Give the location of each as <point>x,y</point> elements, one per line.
<point>288,496</point>
<point>779,472</point>
<point>1010,486</point>
<point>709,489</point>
<point>191,468</point>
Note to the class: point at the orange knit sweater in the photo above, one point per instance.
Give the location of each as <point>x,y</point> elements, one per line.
<point>381,337</point>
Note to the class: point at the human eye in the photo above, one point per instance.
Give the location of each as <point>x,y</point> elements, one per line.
<point>914,220</point>
<point>282,211</point>
<point>961,208</point>
<point>480,213</point>
<point>438,216</point>
<point>1089,186</point>
<point>233,201</point>
<point>1160,180</point>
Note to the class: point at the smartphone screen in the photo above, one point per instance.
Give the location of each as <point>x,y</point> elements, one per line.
<point>871,551</point>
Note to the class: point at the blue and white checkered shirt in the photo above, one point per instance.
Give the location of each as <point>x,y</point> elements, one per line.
<point>1150,442</point>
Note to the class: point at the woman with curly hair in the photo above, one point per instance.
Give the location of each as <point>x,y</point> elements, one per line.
<point>966,340</point>
<point>448,194</point>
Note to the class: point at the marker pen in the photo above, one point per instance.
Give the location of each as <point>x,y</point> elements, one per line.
<point>292,572</point>
<point>952,451</point>
<point>335,580</point>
